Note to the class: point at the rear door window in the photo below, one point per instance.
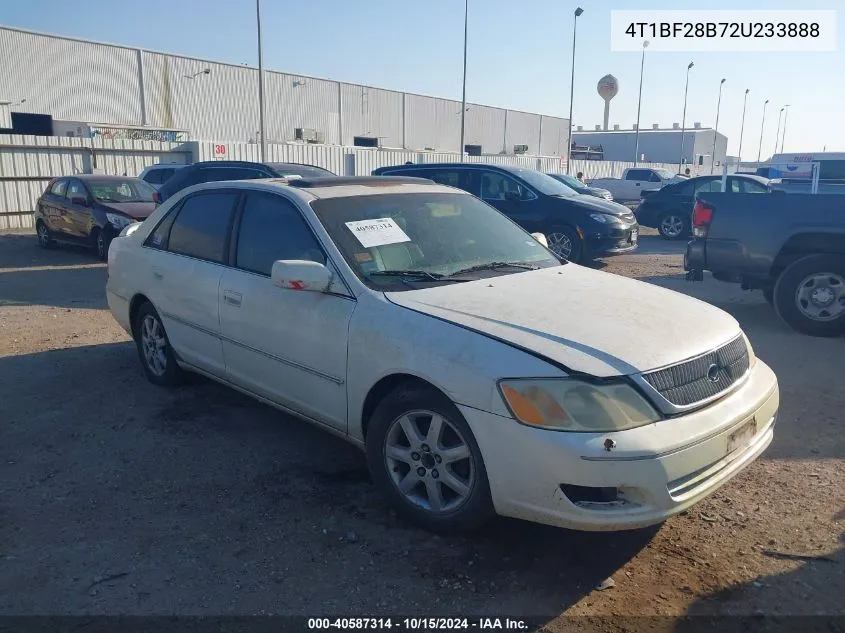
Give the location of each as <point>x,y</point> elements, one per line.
<point>201,228</point>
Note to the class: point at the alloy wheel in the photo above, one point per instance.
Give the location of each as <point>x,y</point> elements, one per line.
<point>43,234</point>
<point>671,226</point>
<point>429,461</point>
<point>154,345</point>
<point>560,244</point>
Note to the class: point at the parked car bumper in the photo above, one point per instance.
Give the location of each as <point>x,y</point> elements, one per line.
<point>657,471</point>
<point>612,242</point>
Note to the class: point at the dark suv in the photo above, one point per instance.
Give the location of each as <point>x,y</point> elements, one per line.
<point>577,227</point>
<point>215,170</point>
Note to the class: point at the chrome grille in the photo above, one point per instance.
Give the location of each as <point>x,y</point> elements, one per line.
<point>702,377</point>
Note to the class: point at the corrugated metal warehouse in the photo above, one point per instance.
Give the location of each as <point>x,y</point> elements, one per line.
<point>659,145</point>
<point>87,82</point>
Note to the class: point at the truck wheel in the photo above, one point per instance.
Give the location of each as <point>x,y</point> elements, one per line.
<point>810,295</point>
<point>672,226</point>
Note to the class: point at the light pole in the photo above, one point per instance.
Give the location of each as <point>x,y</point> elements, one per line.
<point>261,129</point>
<point>742,125</point>
<point>684,119</point>
<point>464,97</point>
<point>578,12</point>
<point>777,134</point>
<point>783,132</point>
<point>716,129</point>
<point>762,127</point>
<point>639,106</point>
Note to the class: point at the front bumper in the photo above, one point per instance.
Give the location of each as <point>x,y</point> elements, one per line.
<point>614,241</point>
<point>659,470</point>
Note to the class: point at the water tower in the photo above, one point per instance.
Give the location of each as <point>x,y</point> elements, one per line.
<point>607,88</point>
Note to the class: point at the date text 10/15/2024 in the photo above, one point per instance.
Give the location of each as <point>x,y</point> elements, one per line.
<point>417,624</point>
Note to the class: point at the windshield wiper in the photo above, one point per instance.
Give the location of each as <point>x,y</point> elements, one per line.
<point>495,266</point>
<point>417,275</point>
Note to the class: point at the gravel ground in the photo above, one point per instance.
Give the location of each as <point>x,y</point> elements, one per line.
<point>117,497</point>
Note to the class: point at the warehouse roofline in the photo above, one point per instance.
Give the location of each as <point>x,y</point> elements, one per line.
<point>278,72</point>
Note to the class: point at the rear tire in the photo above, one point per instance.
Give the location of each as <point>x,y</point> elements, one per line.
<point>565,243</point>
<point>45,237</point>
<point>810,295</point>
<point>673,226</point>
<point>154,350</point>
<point>433,475</point>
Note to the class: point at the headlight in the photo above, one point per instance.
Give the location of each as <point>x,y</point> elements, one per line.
<point>118,221</point>
<point>604,218</point>
<point>569,404</point>
<point>129,230</point>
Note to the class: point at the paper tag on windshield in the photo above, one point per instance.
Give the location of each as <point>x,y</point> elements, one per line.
<point>377,232</point>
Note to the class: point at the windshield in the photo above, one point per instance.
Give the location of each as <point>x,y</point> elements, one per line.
<point>429,236</point>
<point>664,174</point>
<point>570,181</point>
<point>129,190</point>
<point>543,183</point>
<point>303,171</point>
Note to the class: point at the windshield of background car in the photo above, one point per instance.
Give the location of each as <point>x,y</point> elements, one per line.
<point>543,183</point>
<point>570,181</point>
<point>121,190</point>
<point>664,174</point>
<point>433,234</point>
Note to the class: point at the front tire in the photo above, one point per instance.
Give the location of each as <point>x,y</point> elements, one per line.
<point>45,237</point>
<point>154,350</point>
<point>672,226</point>
<point>102,240</point>
<point>564,242</point>
<point>810,295</point>
<point>423,457</point>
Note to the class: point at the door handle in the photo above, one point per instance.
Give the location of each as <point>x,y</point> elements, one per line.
<point>232,298</point>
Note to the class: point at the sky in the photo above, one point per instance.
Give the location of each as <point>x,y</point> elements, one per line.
<point>519,56</point>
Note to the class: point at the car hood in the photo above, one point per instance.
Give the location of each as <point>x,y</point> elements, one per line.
<point>589,321</point>
<point>593,205</point>
<point>135,210</point>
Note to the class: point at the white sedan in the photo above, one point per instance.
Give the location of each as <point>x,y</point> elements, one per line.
<point>480,373</point>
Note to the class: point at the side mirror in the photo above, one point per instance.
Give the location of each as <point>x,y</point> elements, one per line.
<point>79,200</point>
<point>513,196</point>
<point>540,237</point>
<point>295,274</point>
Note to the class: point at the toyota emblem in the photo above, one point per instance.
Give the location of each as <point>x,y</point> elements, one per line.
<point>713,373</point>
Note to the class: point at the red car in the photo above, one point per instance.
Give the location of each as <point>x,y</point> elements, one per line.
<point>90,209</point>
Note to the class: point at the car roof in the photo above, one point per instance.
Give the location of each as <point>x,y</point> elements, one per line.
<point>99,177</point>
<point>227,163</point>
<point>508,168</point>
<point>753,177</point>
<point>336,186</point>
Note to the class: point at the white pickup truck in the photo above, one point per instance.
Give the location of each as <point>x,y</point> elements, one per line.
<point>634,180</point>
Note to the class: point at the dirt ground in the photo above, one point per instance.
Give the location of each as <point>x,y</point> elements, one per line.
<point>118,497</point>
